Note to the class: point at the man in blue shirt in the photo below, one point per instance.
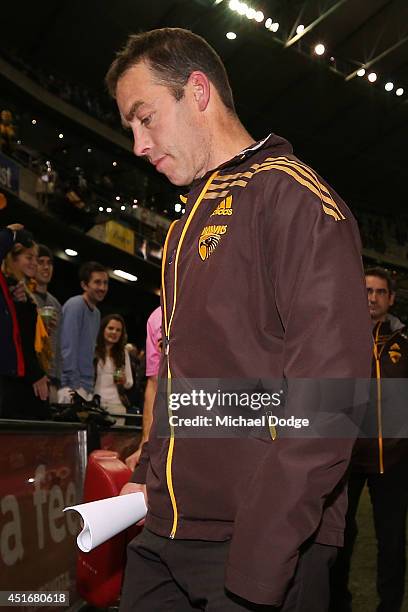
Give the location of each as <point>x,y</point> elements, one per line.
<point>79,329</point>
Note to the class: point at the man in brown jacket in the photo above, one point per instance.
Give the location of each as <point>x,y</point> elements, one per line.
<point>262,288</point>
<point>380,460</point>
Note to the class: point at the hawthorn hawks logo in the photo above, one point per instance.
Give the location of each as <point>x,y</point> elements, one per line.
<point>210,239</point>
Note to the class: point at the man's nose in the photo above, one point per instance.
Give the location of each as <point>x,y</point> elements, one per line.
<point>142,144</point>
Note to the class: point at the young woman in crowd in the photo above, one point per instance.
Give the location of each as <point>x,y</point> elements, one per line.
<point>112,365</point>
<point>25,397</point>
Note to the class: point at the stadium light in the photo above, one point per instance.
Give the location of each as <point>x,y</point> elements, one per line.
<point>320,49</point>
<point>125,275</point>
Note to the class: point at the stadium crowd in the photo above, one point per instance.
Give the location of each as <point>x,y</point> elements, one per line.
<point>49,351</point>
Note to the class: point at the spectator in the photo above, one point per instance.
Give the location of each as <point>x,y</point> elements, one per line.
<point>74,199</point>
<point>153,354</point>
<point>50,311</point>
<point>79,330</point>
<point>7,132</point>
<point>25,398</point>
<point>113,371</point>
<point>82,182</point>
<point>136,393</point>
<point>45,185</point>
<point>380,463</point>
<point>141,249</point>
<point>11,354</point>
<point>41,190</point>
<point>155,251</point>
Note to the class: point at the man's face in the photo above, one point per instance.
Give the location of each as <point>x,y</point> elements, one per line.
<point>380,299</point>
<point>45,269</point>
<point>171,134</point>
<point>96,288</point>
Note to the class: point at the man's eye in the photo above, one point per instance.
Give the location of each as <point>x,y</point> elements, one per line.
<point>146,120</point>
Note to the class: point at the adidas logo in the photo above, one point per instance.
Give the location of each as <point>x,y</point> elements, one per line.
<point>224,207</point>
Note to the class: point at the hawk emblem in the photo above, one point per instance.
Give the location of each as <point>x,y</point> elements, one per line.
<point>210,239</point>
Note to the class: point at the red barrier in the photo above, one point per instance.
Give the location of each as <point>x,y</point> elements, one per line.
<point>100,572</point>
<point>41,471</point>
<point>124,441</point>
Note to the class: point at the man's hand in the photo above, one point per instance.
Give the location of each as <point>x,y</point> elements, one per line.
<point>41,388</point>
<point>133,459</point>
<point>134,487</point>
<point>18,292</point>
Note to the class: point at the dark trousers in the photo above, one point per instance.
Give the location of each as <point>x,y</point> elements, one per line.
<point>389,499</point>
<point>164,575</point>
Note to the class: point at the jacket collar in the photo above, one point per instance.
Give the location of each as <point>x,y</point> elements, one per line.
<point>394,322</point>
<point>276,145</point>
<point>390,325</point>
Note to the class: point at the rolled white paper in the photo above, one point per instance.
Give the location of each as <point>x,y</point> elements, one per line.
<point>105,518</point>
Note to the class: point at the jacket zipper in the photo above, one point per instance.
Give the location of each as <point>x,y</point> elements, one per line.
<point>379,412</point>
<point>167,329</point>
<point>169,479</point>
<point>377,357</point>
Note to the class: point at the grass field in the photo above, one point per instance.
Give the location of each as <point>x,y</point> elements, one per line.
<point>363,569</point>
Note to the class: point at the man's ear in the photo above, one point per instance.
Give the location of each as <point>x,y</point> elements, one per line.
<point>200,85</point>
<point>83,285</point>
<point>392,298</point>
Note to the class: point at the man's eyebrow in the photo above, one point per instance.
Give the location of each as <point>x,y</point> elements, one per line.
<point>132,111</point>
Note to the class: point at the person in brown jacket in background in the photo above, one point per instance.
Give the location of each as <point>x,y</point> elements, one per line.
<point>262,282</point>
<point>380,460</point>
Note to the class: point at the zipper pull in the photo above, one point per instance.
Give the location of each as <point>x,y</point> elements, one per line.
<point>272,428</point>
<point>166,345</point>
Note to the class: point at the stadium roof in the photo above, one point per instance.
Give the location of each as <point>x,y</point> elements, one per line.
<point>352,131</point>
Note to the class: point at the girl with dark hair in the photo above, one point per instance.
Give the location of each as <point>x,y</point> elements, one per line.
<point>112,365</point>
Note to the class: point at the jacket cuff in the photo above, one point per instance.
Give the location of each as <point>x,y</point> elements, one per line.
<point>248,588</point>
<point>139,474</point>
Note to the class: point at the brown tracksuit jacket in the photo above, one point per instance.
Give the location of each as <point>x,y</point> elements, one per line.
<point>385,425</point>
<point>262,278</point>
